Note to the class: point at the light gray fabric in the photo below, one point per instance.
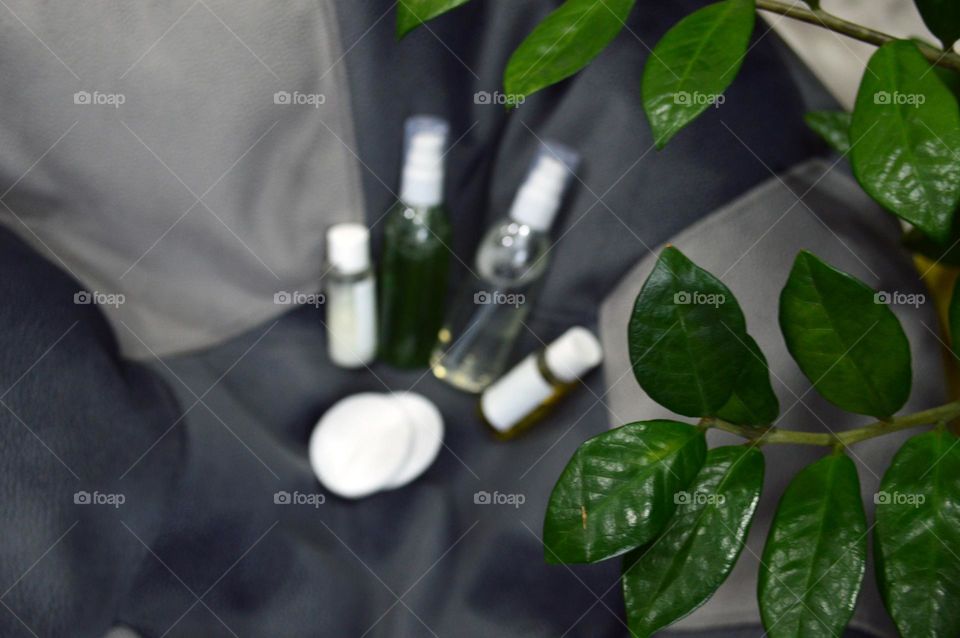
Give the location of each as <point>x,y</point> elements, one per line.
<point>112,193</point>
<point>751,244</point>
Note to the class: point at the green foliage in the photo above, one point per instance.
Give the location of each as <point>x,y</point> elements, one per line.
<point>617,491</point>
<point>906,136</point>
<point>686,337</point>
<point>845,339</point>
<point>412,13</point>
<point>953,319</point>
<point>942,17</point>
<point>681,569</point>
<point>816,553</point>
<point>650,491</point>
<point>614,495</point>
<point>752,401</point>
<point>833,127</point>
<point>917,536</point>
<point>565,42</point>
<point>694,63</point>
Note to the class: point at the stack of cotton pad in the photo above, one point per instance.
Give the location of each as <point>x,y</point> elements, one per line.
<point>371,442</point>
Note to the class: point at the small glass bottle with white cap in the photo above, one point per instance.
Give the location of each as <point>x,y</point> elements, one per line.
<point>351,299</point>
<point>475,342</point>
<point>526,393</point>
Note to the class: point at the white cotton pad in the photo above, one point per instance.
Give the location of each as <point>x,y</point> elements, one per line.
<point>427,429</point>
<point>360,444</point>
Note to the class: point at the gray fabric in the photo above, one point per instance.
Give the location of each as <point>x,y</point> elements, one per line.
<point>750,244</point>
<point>112,193</point>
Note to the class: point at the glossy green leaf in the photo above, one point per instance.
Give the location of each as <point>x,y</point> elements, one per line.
<point>917,542</point>
<point>694,63</point>
<point>680,570</point>
<point>686,337</point>
<point>816,553</point>
<point>906,139</point>
<point>753,401</point>
<point>845,339</point>
<point>618,490</point>
<point>953,316</point>
<point>412,13</point>
<point>566,41</point>
<point>833,127</point>
<point>942,17</point>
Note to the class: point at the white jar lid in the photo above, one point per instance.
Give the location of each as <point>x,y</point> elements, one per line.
<point>370,442</point>
<point>348,247</point>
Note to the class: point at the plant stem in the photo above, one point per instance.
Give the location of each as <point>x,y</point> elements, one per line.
<point>821,18</point>
<point>763,435</point>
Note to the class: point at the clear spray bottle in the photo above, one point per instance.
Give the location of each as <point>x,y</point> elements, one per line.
<point>475,342</point>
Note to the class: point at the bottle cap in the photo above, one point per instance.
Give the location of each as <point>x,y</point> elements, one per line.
<point>348,247</point>
<point>538,200</point>
<point>422,179</point>
<point>573,354</point>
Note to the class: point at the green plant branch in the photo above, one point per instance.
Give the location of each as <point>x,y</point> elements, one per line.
<point>764,435</point>
<point>821,18</point>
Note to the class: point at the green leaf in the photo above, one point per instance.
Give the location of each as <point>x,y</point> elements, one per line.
<point>412,13</point>
<point>906,139</point>
<point>566,41</point>
<point>686,337</point>
<point>942,17</point>
<point>753,401</point>
<point>845,339</point>
<point>618,490</point>
<point>816,553</point>
<point>694,63</point>
<point>833,127</point>
<point>918,536</point>
<point>953,315</point>
<point>681,569</point>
